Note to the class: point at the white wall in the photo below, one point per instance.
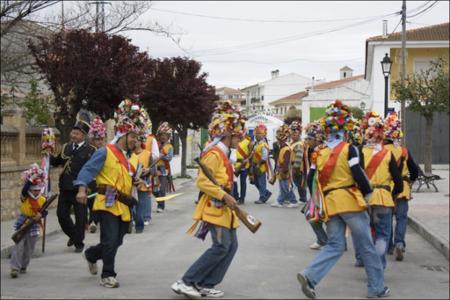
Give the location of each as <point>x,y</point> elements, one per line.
<point>352,94</point>
<point>283,86</point>
<point>376,90</point>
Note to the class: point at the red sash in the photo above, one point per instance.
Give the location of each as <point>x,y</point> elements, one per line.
<point>327,170</point>
<point>34,205</point>
<point>241,151</point>
<point>121,157</point>
<point>375,162</point>
<point>226,162</point>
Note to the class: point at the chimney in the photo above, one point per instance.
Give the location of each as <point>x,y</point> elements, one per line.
<point>312,85</point>
<point>275,73</point>
<point>385,29</point>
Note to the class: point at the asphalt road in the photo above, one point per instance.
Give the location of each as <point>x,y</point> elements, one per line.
<point>265,265</point>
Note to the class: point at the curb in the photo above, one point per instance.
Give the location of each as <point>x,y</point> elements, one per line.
<point>437,242</point>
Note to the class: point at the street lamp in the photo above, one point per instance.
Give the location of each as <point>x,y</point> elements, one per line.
<point>386,64</point>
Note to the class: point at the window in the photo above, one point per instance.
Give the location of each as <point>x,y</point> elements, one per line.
<point>422,64</point>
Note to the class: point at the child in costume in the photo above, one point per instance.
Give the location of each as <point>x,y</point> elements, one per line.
<point>31,202</point>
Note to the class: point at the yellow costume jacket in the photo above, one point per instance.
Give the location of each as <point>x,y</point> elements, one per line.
<point>340,193</point>
<point>381,180</point>
<point>216,160</point>
<point>114,173</point>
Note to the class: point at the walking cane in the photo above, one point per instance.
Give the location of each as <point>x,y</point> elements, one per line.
<point>45,164</point>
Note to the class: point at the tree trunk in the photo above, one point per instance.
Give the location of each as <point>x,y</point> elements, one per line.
<point>64,129</point>
<point>428,147</point>
<point>183,138</point>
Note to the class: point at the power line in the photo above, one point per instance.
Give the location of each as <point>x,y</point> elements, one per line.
<point>424,10</point>
<point>260,20</point>
<point>261,44</point>
<point>281,62</point>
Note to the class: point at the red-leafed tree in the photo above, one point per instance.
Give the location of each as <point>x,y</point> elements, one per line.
<point>177,92</point>
<point>91,70</point>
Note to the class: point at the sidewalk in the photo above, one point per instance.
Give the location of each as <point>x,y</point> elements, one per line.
<point>429,212</point>
<point>53,227</point>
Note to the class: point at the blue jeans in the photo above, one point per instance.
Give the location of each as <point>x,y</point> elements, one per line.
<point>321,235</point>
<point>261,185</point>
<point>301,190</point>
<point>285,192</point>
<point>243,181</point>
<point>210,268</point>
<point>162,191</point>
<point>148,208</point>
<point>139,210</point>
<point>333,250</point>
<point>401,223</point>
<point>381,218</point>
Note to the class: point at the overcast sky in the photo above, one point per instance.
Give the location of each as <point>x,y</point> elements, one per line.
<point>247,51</point>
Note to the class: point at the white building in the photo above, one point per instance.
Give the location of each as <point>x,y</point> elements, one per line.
<point>258,96</point>
<point>352,90</point>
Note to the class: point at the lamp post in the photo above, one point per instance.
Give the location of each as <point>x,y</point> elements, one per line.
<point>386,64</point>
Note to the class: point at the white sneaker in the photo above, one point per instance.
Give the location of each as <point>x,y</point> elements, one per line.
<point>276,204</point>
<point>159,210</point>
<point>315,246</point>
<point>146,223</point>
<point>109,282</point>
<point>189,291</point>
<point>211,293</point>
<point>292,205</point>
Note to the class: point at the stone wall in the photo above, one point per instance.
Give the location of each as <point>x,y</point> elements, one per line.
<point>20,147</point>
<point>11,187</point>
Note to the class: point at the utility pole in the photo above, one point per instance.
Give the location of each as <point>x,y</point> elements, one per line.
<point>403,70</point>
<point>62,15</point>
<point>100,15</point>
<point>96,15</point>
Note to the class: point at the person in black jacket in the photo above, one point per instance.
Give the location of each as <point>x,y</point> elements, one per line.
<point>72,157</point>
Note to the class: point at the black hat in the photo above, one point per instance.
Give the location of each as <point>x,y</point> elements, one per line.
<point>83,121</point>
<point>83,126</point>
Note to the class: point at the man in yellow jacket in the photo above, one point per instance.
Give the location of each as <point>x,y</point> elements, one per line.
<point>343,190</point>
<point>215,211</point>
<point>409,172</point>
<point>113,167</point>
<point>384,176</point>
<point>243,152</point>
<point>260,164</point>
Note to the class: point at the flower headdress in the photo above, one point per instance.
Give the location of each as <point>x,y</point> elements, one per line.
<point>261,129</point>
<point>226,119</point>
<point>355,135</point>
<point>314,131</point>
<point>164,128</point>
<point>392,127</point>
<point>35,175</point>
<point>296,126</point>
<point>373,126</point>
<point>129,117</point>
<point>98,129</point>
<point>337,117</point>
<point>283,133</point>
<point>48,140</point>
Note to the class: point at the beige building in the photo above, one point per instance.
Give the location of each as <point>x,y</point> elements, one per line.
<point>235,95</point>
<point>282,105</point>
